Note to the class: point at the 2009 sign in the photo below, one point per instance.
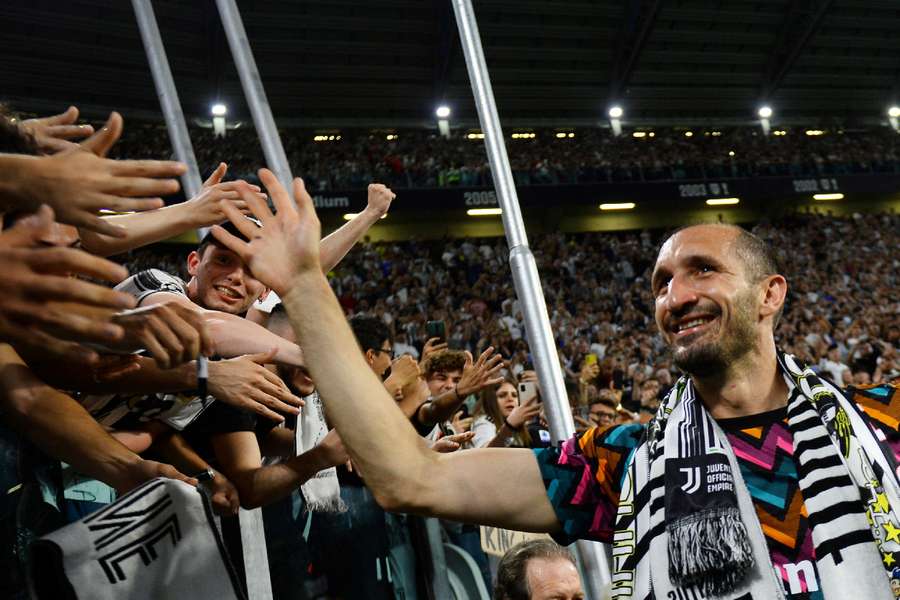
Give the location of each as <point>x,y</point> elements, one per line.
<point>485,198</point>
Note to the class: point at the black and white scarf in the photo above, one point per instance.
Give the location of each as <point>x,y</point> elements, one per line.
<point>321,492</point>
<point>686,525</point>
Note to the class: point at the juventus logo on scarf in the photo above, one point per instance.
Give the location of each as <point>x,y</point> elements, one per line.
<point>708,544</point>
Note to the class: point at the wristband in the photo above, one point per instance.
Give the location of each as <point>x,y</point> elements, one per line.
<point>507,423</point>
<point>202,376</point>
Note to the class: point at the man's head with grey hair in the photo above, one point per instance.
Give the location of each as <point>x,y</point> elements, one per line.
<point>537,570</point>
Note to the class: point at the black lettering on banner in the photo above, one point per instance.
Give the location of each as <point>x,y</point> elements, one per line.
<point>157,522</point>
<point>143,547</point>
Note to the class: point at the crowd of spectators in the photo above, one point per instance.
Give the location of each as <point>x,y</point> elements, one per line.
<point>842,313</point>
<point>190,373</point>
<point>424,159</point>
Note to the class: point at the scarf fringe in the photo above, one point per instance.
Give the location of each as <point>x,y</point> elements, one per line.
<point>710,550</point>
<point>327,505</point>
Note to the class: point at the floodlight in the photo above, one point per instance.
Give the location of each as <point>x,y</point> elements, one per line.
<point>764,112</point>
<point>894,111</point>
<point>219,110</point>
<point>616,112</point>
<point>442,112</point>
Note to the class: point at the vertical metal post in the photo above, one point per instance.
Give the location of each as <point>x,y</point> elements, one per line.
<point>440,583</point>
<point>524,270</point>
<point>168,97</point>
<point>256,560</point>
<point>254,91</point>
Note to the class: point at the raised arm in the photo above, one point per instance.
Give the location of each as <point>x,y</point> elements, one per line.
<point>499,487</point>
<point>148,227</point>
<point>336,245</point>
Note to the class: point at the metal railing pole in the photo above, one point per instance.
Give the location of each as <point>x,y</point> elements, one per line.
<point>168,96</point>
<point>254,91</point>
<point>256,559</point>
<point>524,270</point>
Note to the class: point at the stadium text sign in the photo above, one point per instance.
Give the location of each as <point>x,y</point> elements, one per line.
<point>702,190</point>
<point>331,201</point>
<point>481,198</point>
<point>826,184</point>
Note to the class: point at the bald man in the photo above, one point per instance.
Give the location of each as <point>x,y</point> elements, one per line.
<point>755,478</point>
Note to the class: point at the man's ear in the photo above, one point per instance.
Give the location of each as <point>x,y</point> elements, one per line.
<point>193,261</point>
<point>370,357</point>
<point>774,293</point>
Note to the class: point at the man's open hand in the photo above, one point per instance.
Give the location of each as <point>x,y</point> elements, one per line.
<point>79,182</point>
<point>452,443</point>
<point>287,245</point>
<point>35,280</point>
<point>172,332</point>
<point>480,374</point>
<point>54,134</point>
<point>245,383</point>
<point>206,206</point>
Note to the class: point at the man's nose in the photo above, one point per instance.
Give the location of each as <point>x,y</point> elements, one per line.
<point>237,275</point>
<point>680,295</point>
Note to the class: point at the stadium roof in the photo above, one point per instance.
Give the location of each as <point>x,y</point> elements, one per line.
<point>390,62</point>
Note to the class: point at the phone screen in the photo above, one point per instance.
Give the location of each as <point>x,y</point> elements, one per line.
<point>436,329</point>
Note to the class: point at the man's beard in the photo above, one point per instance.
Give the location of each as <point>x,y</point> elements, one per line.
<point>706,359</point>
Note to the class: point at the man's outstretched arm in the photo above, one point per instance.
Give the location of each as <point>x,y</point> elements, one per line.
<point>497,487</point>
<point>233,335</point>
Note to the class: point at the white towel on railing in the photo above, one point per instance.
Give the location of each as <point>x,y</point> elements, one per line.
<point>157,541</point>
<point>322,492</point>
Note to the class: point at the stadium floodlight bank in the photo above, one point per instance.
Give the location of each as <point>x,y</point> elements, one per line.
<point>594,564</point>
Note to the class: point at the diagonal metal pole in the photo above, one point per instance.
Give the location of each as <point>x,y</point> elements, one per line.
<point>254,91</point>
<point>524,271</point>
<point>168,96</point>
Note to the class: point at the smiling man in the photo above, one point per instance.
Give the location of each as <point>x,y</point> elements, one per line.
<point>755,479</point>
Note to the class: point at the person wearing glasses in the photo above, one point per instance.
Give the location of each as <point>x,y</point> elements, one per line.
<point>602,412</point>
